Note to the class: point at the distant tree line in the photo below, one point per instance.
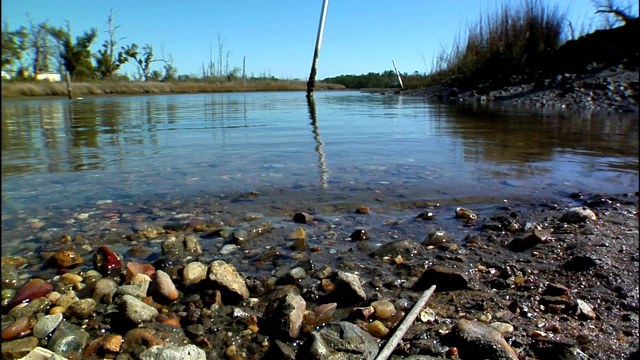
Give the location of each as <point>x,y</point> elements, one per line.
<point>40,47</point>
<point>387,79</point>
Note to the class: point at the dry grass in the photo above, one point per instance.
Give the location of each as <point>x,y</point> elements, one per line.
<point>501,43</point>
<point>43,88</point>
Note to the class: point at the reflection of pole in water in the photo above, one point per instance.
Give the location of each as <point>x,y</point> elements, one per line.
<point>322,163</point>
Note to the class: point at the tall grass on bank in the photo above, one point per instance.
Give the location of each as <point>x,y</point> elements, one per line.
<point>501,43</point>
<point>45,88</point>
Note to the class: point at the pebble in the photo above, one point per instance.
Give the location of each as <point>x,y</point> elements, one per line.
<point>33,289</point>
<point>134,268</point>
<point>18,328</point>
<point>194,272</point>
<point>298,234</point>
<point>502,327</point>
<point>104,290</point>
<point>376,328</point>
<point>70,279</point>
<point>17,349</point>
<point>578,215</point>
<point>226,276</point>
<point>112,343</point>
<point>82,308</point>
<point>64,259</point>
<point>173,352</point>
<point>46,325</point>
<point>163,286</point>
<point>462,213</point>
<point>584,311</point>
<point>360,235</point>
<point>302,218</point>
<point>362,209</point>
<point>228,249</point>
<point>136,311</point>
<point>384,309</point>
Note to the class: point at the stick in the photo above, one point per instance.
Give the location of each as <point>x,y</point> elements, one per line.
<point>406,324</point>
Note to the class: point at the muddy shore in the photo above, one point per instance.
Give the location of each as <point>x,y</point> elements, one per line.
<point>552,279</point>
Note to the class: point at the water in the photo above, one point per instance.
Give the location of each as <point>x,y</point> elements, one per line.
<point>61,155</point>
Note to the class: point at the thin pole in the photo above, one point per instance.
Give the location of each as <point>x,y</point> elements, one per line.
<point>398,74</point>
<point>67,77</point>
<point>314,66</point>
<point>406,324</point>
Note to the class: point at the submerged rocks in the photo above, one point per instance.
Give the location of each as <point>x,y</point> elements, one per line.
<point>476,340</point>
<point>339,340</point>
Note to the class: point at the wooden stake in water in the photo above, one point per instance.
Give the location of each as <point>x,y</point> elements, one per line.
<point>68,84</point>
<point>314,66</point>
<point>398,74</point>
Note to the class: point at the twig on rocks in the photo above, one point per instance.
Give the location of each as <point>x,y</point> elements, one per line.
<point>406,324</point>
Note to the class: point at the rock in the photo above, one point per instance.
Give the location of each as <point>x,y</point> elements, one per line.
<point>67,299</point>
<point>194,272</point>
<point>137,290</point>
<point>70,279</point>
<point>362,209</point>
<point>226,278</point>
<point>68,340</point>
<point>476,340</point>
<point>436,237</point>
<point>138,340</point>
<point>555,290</point>
<point>502,328</point>
<point>360,235</point>
<point>580,263</point>
<point>578,215</point>
<point>404,248</point>
<point>38,305</point>
<point>522,244</point>
<point>339,340</point>
<point>584,311</point>
<point>64,259</point>
<point>134,268</point>
<point>444,279</point>
<point>302,218</point>
<point>135,310</point>
<point>279,351</point>
<point>250,231</point>
<point>108,262</point>
<point>46,325</point>
<point>19,327</point>
<point>173,352</point>
<point>349,288</point>
<point>466,214</point>
<point>384,309</point>
<point>17,349</point>
<point>112,343</point>
<point>31,290</point>
<point>298,234</point>
<point>41,353</point>
<point>299,245</point>
<point>178,247</point>
<point>163,288</point>
<point>103,290</point>
<point>284,315</point>
<point>81,309</point>
<point>10,277</point>
<point>426,215</point>
<point>377,329</point>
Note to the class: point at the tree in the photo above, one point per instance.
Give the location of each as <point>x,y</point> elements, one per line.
<point>13,46</point>
<point>107,61</point>
<point>614,14</point>
<point>143,59</point>
<point>37,40</point>
<point>76,56</point>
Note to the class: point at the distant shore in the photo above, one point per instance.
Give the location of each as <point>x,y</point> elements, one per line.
<point>24,89</point>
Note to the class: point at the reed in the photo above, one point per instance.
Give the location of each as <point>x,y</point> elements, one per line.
<point>500,44</point>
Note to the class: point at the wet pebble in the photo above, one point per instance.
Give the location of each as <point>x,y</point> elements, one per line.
<point>227,277</point>
<point>18,328</point>
<point>578,215</point>
<point>173,352</point>
<point>384,309</point>
<point>298,234</point>
<point>17,349</point>
<point>82,308</point>
<point>584,311</point>
<point>135,310</point>
<point>10,278</point>
<point>64,259</point>
<point>362,209</point>
<point>104,290</point>
<point>479,341</point>
<point>163,287</point>
<point>33,289</point>
<point>360,235</point>
<point>68,340</point>
<point>436,237</point>
<point>349,287</point>
<point>194,272</point>
<point>46,325</point>
<point>466,214</point>
<point>377,329</point>
<point>302,218</point>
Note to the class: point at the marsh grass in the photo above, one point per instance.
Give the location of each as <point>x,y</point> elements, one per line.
<point>44,88</point>
<point>500,44</point>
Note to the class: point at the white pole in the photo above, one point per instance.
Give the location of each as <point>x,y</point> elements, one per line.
<point>314,66</point>
<point>398,74</point>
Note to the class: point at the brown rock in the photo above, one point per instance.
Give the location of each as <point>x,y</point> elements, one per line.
<point>17,349</point>
<point>444,279</point>
<point>64,259</point>
<point>112,342</point>
<point>163,288</point>
<point>19,328</point>
<point>302,218</point>
<point>227,279</point>
<point>475,340</point>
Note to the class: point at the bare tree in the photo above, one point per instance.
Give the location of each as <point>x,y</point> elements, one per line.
<point>107,60</point>
<point>220,53</point>
<point>620,13</point>
<point>37,41</point>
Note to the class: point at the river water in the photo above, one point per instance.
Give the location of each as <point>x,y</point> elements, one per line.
<point>65,156</point>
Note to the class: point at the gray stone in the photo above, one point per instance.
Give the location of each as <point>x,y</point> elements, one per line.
<point>578,215</point>
<point>404,248</point>
<point>10,278</point>
<point>103,290</point>
<point>46,325</point>
<point>444,279</point>
<point>476,340</point>
<point>138,290</point>
<point>81,308</point>
<point>18,348</point>
<point>173,352</point>
<point>284,316</point>
<point>163,288</point>
<point>37,305</point>
<point>350,289</point>
<point>68,340</point>
<point>340,341</point>
<point>135,310</point>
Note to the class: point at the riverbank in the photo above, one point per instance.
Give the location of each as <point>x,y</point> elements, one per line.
<point>22,89</point>
<point>250,276</point>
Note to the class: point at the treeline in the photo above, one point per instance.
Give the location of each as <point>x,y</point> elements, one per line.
<point>40,47</point>
<point>387,79</point>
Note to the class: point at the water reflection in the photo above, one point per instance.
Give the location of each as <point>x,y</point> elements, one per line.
<point>322,158</point>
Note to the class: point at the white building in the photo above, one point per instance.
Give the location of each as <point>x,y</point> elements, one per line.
<point>49,76</point>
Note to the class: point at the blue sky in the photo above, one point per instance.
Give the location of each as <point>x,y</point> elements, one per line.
<point>277,38</point>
